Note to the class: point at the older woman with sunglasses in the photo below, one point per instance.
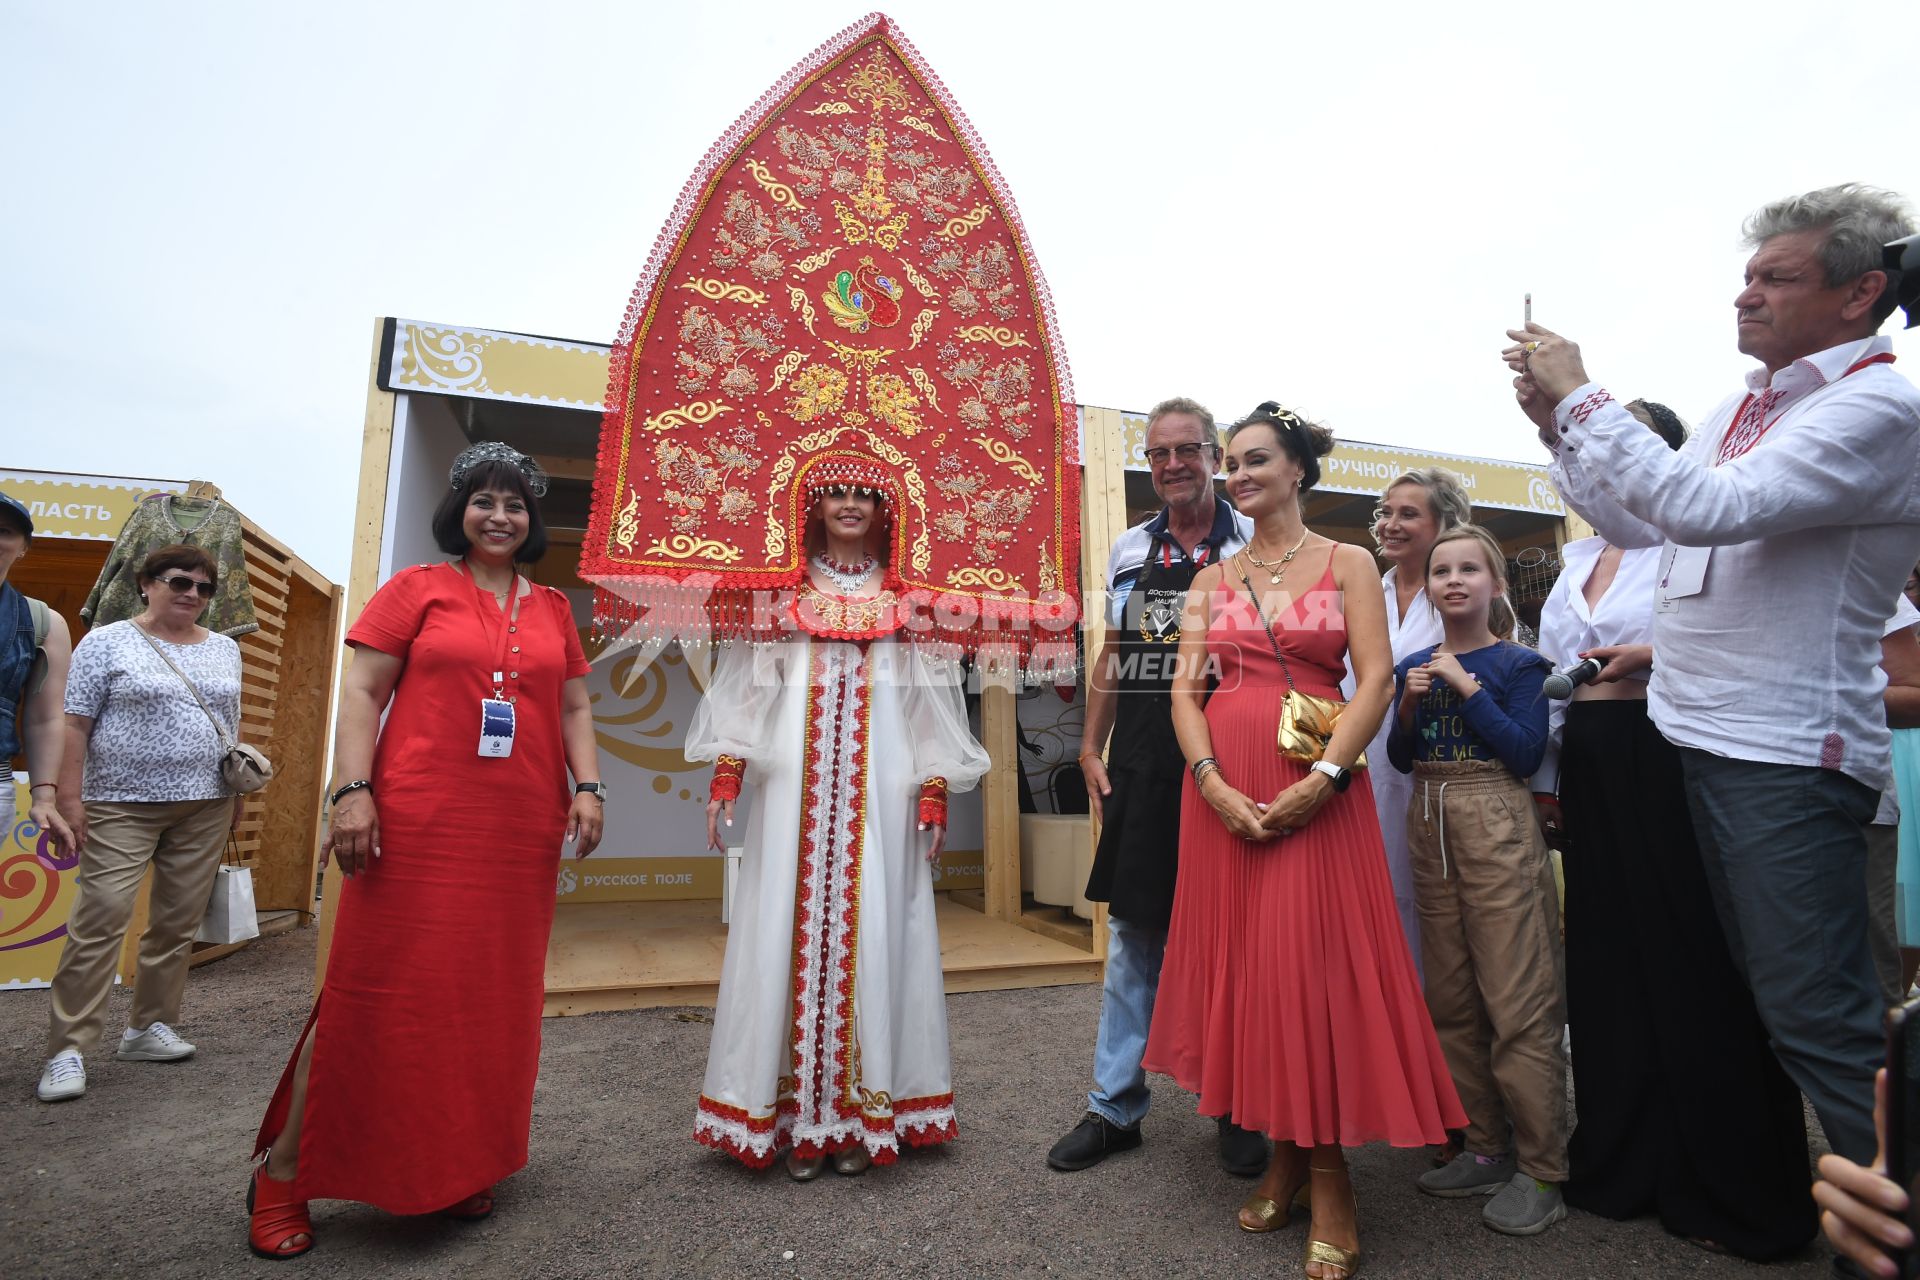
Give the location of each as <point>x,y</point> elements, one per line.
<point>140,784</point>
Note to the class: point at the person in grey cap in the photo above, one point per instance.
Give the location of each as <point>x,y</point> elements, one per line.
<point>35,648</point>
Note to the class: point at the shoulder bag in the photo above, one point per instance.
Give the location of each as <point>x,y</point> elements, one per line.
<point>1306,721</point>
<point>244,769</point>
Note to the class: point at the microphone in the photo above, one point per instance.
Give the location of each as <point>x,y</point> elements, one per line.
<point>1561,684</point>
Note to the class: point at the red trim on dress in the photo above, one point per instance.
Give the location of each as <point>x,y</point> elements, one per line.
<point>728,771</point>
<point>933,802</point>
<point>857,714</point>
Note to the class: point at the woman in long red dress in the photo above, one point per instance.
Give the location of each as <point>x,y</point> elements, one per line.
<point>412,1088</point>
<point>1287,998</point>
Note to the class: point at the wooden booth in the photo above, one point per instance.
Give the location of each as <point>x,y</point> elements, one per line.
<point>287,680</point>
<point>641,922</point>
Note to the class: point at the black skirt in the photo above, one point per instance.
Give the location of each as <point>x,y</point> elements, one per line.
<point>1683,1109</point>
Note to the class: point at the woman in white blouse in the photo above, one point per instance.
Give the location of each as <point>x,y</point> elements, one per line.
<point>1414,510</point>
<point>1684,1111</point>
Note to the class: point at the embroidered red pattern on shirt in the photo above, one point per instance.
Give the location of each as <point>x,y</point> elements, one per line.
<point>1584,410</point>
<point>1750,423</point>
<point>1833,750</point>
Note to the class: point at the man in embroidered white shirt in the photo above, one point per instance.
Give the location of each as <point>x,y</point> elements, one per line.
<point>1784,523</point>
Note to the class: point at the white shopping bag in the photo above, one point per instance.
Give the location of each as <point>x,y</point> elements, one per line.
<point>230,916</point>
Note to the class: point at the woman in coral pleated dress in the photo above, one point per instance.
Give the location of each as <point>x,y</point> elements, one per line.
<point>1288,998</point>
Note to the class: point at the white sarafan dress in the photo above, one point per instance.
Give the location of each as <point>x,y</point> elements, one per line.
<point>831,1025</point>
<point>1392,789</point>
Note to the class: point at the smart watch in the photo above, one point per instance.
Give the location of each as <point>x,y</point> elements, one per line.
<point>1335,774</point>
<point>598,790</point>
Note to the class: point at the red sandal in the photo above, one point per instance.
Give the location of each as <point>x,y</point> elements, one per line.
<point>472,1209</point>
<point>274,1217</point>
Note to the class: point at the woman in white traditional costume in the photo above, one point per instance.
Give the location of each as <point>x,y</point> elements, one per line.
<point>830,1037</point>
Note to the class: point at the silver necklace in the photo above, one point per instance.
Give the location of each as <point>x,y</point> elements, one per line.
<point>847,577</point>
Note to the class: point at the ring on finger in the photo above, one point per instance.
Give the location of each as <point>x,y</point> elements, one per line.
<point>1531,347</point>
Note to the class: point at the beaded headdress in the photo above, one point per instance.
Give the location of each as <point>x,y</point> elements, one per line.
<point>843,295</point>
<point>476,455</point>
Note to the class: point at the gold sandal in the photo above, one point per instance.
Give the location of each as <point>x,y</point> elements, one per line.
<point>1331,1255</point>
<point>1269,1213</point>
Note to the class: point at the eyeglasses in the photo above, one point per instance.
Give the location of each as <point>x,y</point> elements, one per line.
<point>1185,452</point>
<point>181,584</point>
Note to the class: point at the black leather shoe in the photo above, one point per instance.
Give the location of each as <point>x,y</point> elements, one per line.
<point>1092,1140</point>
<point>1243,1152</point>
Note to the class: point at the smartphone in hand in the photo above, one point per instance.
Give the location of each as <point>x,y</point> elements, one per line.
<point>1903,1116</point>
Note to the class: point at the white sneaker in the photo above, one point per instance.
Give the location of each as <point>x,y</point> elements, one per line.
<point>64,1077</point>
<point>158,1043</point>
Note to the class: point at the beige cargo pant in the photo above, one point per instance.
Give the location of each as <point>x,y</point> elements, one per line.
<point>1491,954</point>
<point>181,840</point>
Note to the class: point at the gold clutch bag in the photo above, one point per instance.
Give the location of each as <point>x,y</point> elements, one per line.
<point>1307,724</point>
<point>1306,721</point>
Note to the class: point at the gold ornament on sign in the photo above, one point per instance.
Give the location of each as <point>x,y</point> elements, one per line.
<point>920,282</point>
<point>958,227</point>
<point>921,126</point>
<point>894,404</point>
<point>855,231</point>
<point>858,357</point>
<point>878,85</point>
<point>808,265</point>
<point>776,527</point>
<point>1049,577</point>
<point>784,370</point>
<point>1000,337</point>
<point>817,391</point>
<point>724,291</point>
<point>699,413</point>
<point>991,579</point>
<point>781,193</point>
<point>831,109</point>
<point>797,297</point>
<point>626,525</point>
<point>922,544</point>
<point>926,386</point>
<point>683,546</point>
<point>922,323</point>
<point>1006,457</point>
<point>854,416</point>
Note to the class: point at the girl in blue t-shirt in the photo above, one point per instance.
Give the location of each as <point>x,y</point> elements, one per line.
<point>1470,724</point>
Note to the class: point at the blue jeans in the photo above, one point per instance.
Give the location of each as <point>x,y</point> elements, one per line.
<point>1785,852</point>
<point>1120,1090</point>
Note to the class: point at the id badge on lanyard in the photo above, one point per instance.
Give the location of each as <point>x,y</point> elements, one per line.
<point>497,719</point>
<point>496,727</point>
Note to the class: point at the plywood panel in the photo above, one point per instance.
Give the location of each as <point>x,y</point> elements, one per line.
<point>369,520</point>
<point>1103,516</point>
<point>302,715</point>
<point>1001,790</point>
<point>638,955</point>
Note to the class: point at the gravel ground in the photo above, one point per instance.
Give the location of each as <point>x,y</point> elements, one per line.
<point>144,1175</point>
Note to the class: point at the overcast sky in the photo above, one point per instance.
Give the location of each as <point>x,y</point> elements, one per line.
<point>1335,206</point>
